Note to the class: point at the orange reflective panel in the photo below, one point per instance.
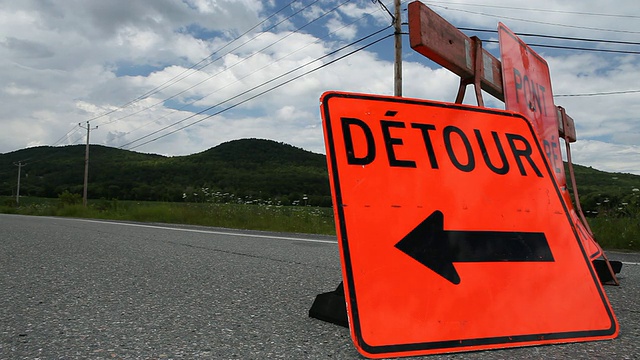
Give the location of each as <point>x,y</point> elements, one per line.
<point>527,90</point>
<point>452,232</point>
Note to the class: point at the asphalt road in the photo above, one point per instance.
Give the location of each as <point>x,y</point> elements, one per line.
<point>82,289</point>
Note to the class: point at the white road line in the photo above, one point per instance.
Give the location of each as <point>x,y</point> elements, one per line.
<point>203,231</point>
<point>630,263</point>
<point>225,232</point>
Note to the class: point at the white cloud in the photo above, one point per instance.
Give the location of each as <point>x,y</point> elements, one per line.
<point>341,30</point>
<point>357,10</point>
<point>71,62</point>
<point>608,156</point>
<point>13,89</point>
<point>612,117</point>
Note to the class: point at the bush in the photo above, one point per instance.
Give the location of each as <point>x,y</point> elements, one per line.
<point>67,198</point>
<point>10,202</point>
<point>106,205</point>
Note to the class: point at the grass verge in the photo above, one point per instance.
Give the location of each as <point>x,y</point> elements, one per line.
<point>617,233</point>
<point>613,233</point>
<point>299,219</point>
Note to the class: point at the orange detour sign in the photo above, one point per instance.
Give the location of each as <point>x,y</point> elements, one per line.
<point>527,90</point>
<point>452,232</point>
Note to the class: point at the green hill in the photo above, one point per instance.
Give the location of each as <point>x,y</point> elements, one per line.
<point>237,171</point>
<point>604,193</point>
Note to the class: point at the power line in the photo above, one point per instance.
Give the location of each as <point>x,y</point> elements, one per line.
<point>193,67</point>
<point>557,37</point>
<point>178,78</point>
<point>262,93</point>
<point>599,93</point>
<point>238,62</point>
<point>199,113</point>
<point>571,48</point>
<point>246,76</point>
<point>265,91</point>
<point>612,51</point>
<point>74,129</point>
<point>253,88</point>
<point>574,48</point>
<point>539,10</point>
<point>537,21</point>
<point>173,80</point>
<point>255,71</point>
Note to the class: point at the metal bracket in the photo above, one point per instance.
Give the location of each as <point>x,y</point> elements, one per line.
<point>475,52</point>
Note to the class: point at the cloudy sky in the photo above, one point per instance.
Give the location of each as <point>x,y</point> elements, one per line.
<point>177,77</point>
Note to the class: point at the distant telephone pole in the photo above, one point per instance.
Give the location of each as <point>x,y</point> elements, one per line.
<point>19,165</point>
<point>86,164</point>
<point>397,23</point>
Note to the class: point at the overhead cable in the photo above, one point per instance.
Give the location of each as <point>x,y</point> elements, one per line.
<point>263,92</point>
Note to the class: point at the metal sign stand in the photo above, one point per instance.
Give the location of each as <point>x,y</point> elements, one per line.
<point>605,268</point>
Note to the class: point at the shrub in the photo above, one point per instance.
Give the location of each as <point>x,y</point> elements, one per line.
<point>67,198</point>
<point>10,202</point>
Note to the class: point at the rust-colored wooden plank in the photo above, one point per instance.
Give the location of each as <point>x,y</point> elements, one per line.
<point>440,41</point>
<point>436,38</point>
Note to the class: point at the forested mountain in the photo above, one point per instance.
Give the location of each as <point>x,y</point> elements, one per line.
<point>605,193</point>
<point>240,170</point>
<point>237,171</point>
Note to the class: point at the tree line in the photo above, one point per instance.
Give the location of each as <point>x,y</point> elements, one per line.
<point>239,171</point>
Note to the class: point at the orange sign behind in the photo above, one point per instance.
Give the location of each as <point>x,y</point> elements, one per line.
<point>452,232</point>
<point>527,90</point>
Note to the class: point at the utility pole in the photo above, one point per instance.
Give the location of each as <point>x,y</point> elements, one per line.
<point>86,164</point>
<point>19,165</point>
<point>397,22</point>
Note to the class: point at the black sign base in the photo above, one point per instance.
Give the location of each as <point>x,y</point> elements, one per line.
<point>331,307</point>
<point>600,265</point>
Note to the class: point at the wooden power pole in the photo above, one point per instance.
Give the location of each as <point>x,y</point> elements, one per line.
<point>86,164</point>
<point>397,22</point>
<point>19,165</point>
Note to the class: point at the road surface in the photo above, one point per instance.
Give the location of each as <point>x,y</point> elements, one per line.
<point>84,289</point>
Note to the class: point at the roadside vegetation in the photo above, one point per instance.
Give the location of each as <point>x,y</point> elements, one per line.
<point>613,232</point>
<point>247,184</point>
<point>254,216</point>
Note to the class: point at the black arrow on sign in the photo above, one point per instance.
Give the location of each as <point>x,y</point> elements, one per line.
<point>438,249</point>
